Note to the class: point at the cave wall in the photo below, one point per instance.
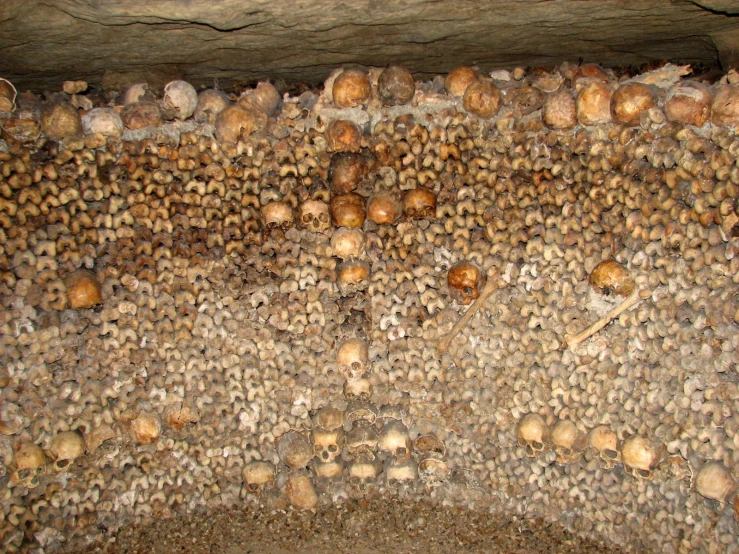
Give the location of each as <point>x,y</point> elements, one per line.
<point>118,43</point>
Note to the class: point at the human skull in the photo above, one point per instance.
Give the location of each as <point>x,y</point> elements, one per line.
<point>640,457</point>
<point>352,277</point>
<point>433,471</point>
<point>65,448</point>
<point>346,171</point>
<point>237,122</point>
<point>328,418</point>
<point>328,471</point>
<point>30,465</point>
<point>347,243</point>
<point>358,389</point>
<point>294,450</point>
<point>714,481</point>
<point>361,441</point>
<point>362,475</point>
<point>258,476</point>
<point>360,410</point>
<point>179,101</point>
<point>343,136</point>
<point>300,490</point>
<point>348,210</point>
<point>568,441</point>
<point>533,434</point>
<point>610,277</point>
<point>277,215</point>
<point>315,216</point>
<point>211,102</point>
<point>327,444</point>
<point>395,440</point>
<point>104,121</point>
<point>465,281</point>
<point>400,471</point>
<point>146,428</point>
<point>419,203</point>
<point>604,442</point>
<point>384,209</point>
<point>427,445</point>
<point>83,289</point>
<point>352,359</point>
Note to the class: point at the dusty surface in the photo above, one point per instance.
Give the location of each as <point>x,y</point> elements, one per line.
<point>360,527</point>
<point>44,43</point>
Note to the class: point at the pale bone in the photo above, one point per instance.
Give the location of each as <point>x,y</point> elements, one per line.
<point>491,286</point>
<point>632,300</point>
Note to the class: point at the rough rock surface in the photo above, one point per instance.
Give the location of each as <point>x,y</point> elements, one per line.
<point>116,43</point>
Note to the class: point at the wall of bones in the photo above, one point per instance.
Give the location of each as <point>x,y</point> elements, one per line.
<point>256,297</point>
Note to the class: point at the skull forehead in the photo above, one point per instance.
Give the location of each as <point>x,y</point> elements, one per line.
<point>347,243</point>
<point>532,427</point>
<point>394,433</point>
<point>68,445</point>
<point>362,435</point>
<point>564,434</point>
<point>259,472</point>
<point>352,351</point>
<point>638,452</point>
<point>328,470</point>
<point>29,456</point>
<point>603,438</point>
<point>277,213</point>
<point>360,411</point>
<point>358,388</point>
<point>329,418</point>
<point>402,471</point>
<point>363,470</point>
<point>324,437</point>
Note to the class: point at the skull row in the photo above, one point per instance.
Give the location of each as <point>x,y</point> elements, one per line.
<point>30,462</point>
<point>637,454</point>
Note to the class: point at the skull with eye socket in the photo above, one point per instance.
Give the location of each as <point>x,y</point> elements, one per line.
<point>419,203</point>
<point>640,457</point>
<point>277,215</point>
<point>352,359</point>
<point>30,465</point>
<point>258,476</point>
<point>465,281</point>
<point>533,434</point>
<point>604,442</point>
<point>315,216</point>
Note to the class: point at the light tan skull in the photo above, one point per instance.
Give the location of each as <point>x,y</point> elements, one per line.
<point>361,441</point>
<point>300,490</point>
<point>104,121</point>
<point>258,476</point>
<point>465,281</point>
<point>395,440</point>
<point>347,243</point>
<point>358,389</point>
<point>568,441</point>
<point>66,448</point>
<point>327,444</point>
<point>314,216</point>
<point>604,443</point>
<point>179,101</point>
<point>352,359</point>
<point>533,434</point>
<point>277,215</point>
<point>30,465</point>
<point>640,457</point>
<point>400,472</point>
<point>328,471</point>
<point>363,474</point>
<point>294,450</point>
<point>714,481</point>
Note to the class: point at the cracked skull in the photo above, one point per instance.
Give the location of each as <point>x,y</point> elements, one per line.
<point>362,475</point>
<point>361,441</point>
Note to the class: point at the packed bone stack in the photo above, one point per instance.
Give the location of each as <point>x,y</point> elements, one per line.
<point>179,292</point>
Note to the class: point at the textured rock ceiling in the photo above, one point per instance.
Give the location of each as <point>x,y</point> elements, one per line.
<point>116,43</point>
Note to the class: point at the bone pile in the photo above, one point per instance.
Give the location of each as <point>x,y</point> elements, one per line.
<point>215,299</point>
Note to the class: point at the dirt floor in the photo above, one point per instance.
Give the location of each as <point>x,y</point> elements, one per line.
<point>357,527</point>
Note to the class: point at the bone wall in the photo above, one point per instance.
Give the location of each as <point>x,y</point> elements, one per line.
<point>219,330</point>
